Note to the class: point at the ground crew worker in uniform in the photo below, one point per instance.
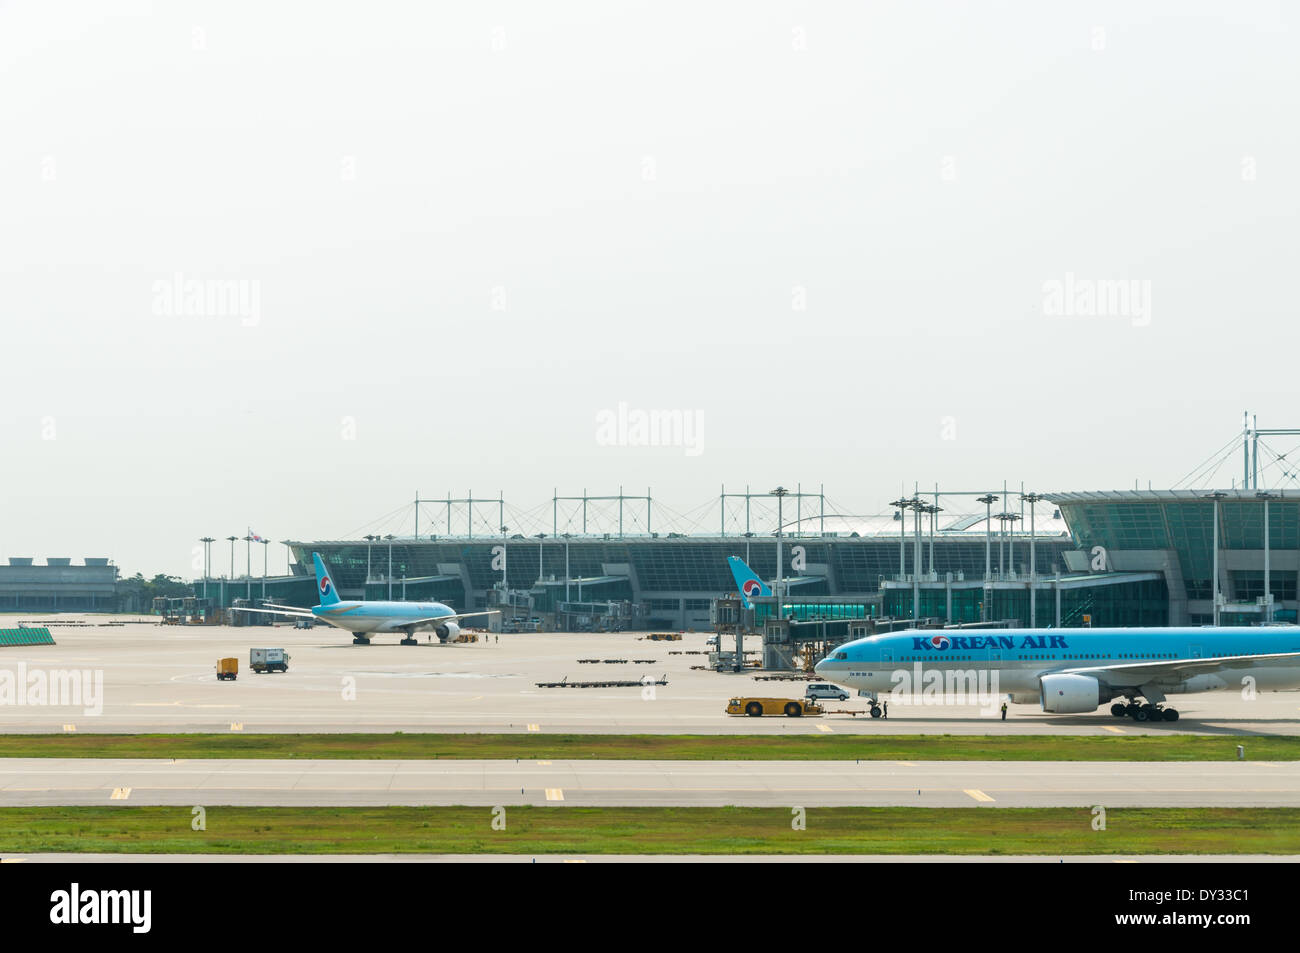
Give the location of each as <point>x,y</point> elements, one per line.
<point>1004,711</point>
<point>885,705</point>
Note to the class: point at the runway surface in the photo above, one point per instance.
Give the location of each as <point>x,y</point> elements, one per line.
<point>161,678</point>
<point>59,781</point>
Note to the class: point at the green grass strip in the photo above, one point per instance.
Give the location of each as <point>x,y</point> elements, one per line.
<point>658,747</point>
<point>648,830</point>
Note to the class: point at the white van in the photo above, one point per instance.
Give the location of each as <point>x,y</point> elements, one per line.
<point>817,690</point>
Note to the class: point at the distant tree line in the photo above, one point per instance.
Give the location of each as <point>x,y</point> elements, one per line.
<point>136,593</point>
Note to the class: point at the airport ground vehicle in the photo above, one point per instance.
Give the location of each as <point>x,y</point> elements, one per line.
<point>790,707</point>
<point>227,669</point>
<point>268,660</point>
<point>818,690</point>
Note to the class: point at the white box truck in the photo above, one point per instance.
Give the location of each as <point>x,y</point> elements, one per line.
<point>268,660</point>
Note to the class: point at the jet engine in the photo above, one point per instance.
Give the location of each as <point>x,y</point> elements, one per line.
<point>1072,694</point>
<point>447,632</point>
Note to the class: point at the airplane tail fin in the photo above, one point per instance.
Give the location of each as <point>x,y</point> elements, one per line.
<point>324,584</point>
<point>747,582</point>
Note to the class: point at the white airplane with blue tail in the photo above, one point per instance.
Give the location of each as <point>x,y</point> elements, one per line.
<point>1071,671</point>
<point>366,619</point>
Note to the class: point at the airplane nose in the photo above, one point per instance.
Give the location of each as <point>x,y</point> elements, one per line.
<point>818,667</point>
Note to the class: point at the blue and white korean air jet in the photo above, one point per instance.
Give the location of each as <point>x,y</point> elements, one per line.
<point>747,582</point>
<point>1068,671</point>
<point>364,619</point>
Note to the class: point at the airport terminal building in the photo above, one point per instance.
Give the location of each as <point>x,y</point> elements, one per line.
<point>1143,558</point>
<point>1241,546</point>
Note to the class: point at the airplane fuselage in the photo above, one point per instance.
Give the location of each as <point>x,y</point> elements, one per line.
<point>1021,657</point>
<point>382,616</point>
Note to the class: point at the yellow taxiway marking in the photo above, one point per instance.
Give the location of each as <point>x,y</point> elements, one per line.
<point>905,764</point>
<point>533,727</point>
<point>236,726</point>
<point>1118,731</point>
<point>977,794</point>
<point>13,860</point>
<point>826,728</point>
<point>574,860</point>
<point>544,763</point>
<point>120,794</point>
<point>476,698</point>
<point>555,794</point>
<point>69,727</point>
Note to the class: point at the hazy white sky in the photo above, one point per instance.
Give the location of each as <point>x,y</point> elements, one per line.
<point>826,233</point>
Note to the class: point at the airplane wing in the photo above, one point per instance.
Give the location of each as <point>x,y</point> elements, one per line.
<point>446,618</point>
<point>285,610</point>
<point>1173,671</point>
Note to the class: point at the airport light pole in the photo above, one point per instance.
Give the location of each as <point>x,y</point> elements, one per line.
<point>917,506</point>
<point>265,544</point>
<point>505,580</point>
<point>232,557</point>
<point>390,538</point>
<point>248,567</point>
<point>780,493</point>
<point>1011,518</point>
<point>901,504</point>
<point>207,542</point>
<point>988,499</point>
<point>1002,545</point>
<point>540,565</point>
<point>933,509</point>
<point>1268,590</point>
<point>567,537</point>
<point>370,542</point>
<point>1216,496</point>
<point>1032,498</point>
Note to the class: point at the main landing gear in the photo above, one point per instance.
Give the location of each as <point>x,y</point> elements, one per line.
<point>1143,712</point>
<point>359,638</point>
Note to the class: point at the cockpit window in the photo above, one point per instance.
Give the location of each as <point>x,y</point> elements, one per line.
<point>841,656</point>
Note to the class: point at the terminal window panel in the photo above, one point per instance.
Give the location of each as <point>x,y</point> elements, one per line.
<point>1124,525</point>
<point>1191,528</point>
<point>1248,585</point>
<point>1243,525</point>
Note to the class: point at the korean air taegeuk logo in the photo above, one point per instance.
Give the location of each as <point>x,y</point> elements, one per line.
<point>325,585</point>
<point>752,587</point>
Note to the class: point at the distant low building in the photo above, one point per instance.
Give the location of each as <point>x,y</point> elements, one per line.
<point>58,585</point>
